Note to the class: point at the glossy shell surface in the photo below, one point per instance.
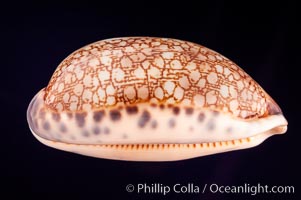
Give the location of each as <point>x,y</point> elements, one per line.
<point>133,91</point>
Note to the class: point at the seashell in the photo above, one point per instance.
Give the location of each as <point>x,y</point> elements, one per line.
<point>151,99</point>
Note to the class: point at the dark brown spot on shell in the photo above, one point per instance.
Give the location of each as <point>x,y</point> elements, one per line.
<point>153,105</point>
<point>131,110</point>
<point>63,128</point>
<point>145,117</point>
<point>98,115</point>
<point>46,125</point>
<point>169,106</point>
<point>162,106</point>
<point>115,115</point>
<point>189,111</point>
<point>80,118</point>
<point>56,117</point>
<point>176,110</point>
<point>201,117</point>
<point>96,130</point>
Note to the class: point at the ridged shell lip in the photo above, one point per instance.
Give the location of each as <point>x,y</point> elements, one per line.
<point>156,152</point>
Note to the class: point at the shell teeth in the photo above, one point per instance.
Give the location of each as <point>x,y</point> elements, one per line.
<point>179,146</point>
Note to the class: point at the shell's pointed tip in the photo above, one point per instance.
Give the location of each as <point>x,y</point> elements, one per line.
<point>272,107</point>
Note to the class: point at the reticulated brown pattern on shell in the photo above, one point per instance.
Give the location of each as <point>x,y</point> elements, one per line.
<point>156,70</point>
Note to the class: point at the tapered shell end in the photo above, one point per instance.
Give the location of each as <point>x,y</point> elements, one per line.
<point>273,108</point>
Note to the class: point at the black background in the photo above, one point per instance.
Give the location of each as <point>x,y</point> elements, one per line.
<point>36,37</point>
